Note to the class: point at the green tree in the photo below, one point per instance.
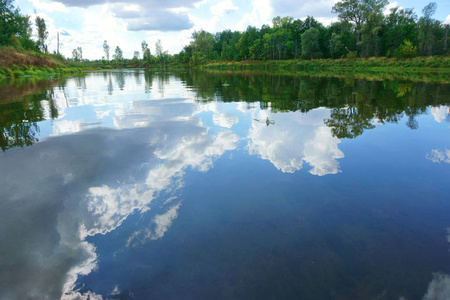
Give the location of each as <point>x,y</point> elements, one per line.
<point>202,47</point>
<point>373,21</point>
<point>161,55</point>
<point>426,36</point>
<point>77,54</point>
<point>406,50</point>
<point>146,54</point>
<point>366,16</point>
<point>106,49</point>
<point>14,26</point>
<point>135,56</point>
<point>398,26</point>
<point>310,43</point>
<point>118,55</point>
<point>351,11</point>
<point>42,33</point>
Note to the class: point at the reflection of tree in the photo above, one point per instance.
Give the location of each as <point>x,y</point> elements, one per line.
<point>347,123</point>
<point>19,118</point>
<point>355,103</point>
<point>110,85</point>
<point>120,78</point>
<point>148,77</point>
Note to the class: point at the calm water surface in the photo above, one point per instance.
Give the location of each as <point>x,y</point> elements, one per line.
<point>194,185</point>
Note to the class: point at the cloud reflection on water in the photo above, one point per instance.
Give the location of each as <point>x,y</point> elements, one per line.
<point>88,183</point>
<point>294,138</point>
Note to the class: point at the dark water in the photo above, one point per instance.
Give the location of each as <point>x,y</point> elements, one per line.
<point>191,185</point>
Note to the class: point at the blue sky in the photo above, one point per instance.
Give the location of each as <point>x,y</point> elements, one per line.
<point>87,23</point>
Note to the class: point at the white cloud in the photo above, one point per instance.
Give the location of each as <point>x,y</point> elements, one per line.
<point>66,126</point>
<point>261,14</point>
<point>438,156</point>
<point>223,8</point>
<point>294,138</point>
<point>49,7</point>
<point>225,120</point>
<point>439,287</point>
<point>322,152</point>
<point>440,113</point>
<point>88,183</point>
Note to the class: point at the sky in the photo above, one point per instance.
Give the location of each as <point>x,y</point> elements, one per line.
<point>126,23</point>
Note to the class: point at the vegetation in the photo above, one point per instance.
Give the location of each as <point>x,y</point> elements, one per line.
<point>363,32</point>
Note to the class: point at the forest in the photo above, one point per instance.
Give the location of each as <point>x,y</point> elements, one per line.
<point>362,30</point>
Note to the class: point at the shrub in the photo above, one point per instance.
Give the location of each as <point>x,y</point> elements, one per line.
<point>352,55</point>
<point>406,50</point>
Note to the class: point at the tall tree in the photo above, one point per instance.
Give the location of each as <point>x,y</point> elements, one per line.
<point>106,49</point>
<point>310,42</point>
<point>373,20</point>
<point>399,25</point>
<point>351,11</point>
<point>146,54</point>
<point>202,47</point>
<point>366,15</point>
<point>426,36</point>
<point>42,32</point>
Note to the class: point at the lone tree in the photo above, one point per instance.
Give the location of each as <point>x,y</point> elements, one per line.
<point>42,32</point>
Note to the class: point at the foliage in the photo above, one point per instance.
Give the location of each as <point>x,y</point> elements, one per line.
<point>15,29</point>
<point>42,33</point>
<point>310,43</point>
<point>406,50</point>
<point>118,55</point>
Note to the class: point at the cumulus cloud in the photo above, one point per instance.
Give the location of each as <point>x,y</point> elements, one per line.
<point>88,183</point>
<point>225,120</point>
<point>294,138</point>
<point>145,15</point>
<point>223,8</point>
<point>438,156</point>
<point>440,113</point>
<point>261,14</point>
<point>296,9</point>
<point>439,287</point>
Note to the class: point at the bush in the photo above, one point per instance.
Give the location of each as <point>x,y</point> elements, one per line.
<point>352,55</point>
<point>406,50</point>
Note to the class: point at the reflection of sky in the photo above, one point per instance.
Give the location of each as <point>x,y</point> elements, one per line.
<point>88,183</point>
<point>295,138</point>
<point>439,287</point>
<point>440,113</point>
<point>122,147</point>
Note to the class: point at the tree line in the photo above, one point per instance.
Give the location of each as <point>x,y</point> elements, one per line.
<point>362,31</point>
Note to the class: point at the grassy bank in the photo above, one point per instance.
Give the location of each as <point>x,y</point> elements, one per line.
<point>14,63</point>
<point>417,69</point>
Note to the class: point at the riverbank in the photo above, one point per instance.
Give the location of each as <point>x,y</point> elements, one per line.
<point>418,64</point>
<point>417,69</point>
<point>14,63</point>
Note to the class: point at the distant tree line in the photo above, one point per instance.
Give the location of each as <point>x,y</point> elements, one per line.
<point>362,31</point>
